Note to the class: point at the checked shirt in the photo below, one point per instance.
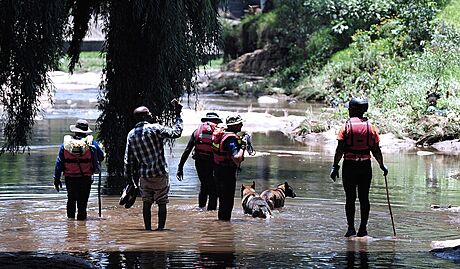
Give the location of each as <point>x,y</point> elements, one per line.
<point>144,152</point>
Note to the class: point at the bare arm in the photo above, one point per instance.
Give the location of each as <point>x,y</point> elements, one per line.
<point>187,151</point>
<point>339,152</point>
<point>377,153</point>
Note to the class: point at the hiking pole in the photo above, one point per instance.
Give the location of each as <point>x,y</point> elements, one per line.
<point>99,194</point>
<point>389,207</point>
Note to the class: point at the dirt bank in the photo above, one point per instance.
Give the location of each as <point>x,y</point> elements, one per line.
<point>261,122</point>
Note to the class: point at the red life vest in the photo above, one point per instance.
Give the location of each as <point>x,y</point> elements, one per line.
<point>77,157</point>
<point>221,156</point>
<point>203,140</point>
<point>358,139</point>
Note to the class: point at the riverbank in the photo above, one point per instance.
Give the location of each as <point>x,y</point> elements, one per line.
<point>256,121</point>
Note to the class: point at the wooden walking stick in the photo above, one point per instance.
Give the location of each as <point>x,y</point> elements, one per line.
<point>99,194</point>
<point>389,207</point>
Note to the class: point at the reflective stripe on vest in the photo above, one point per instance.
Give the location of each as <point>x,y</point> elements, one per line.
<point>358,139</point>
<point>222,157</point>
<point>78,157</point>
<point>203,140</point>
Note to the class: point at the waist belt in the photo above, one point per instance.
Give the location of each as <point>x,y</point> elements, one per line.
<point>357,159</point>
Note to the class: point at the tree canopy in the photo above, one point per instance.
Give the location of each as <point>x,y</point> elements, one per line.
<point>153,51</point>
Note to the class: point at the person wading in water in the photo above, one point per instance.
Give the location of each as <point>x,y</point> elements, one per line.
<point>356,140</point>
<point>201,140</point>
<point>145,161</point>
<point>79,158</point>
<point>228,154</point>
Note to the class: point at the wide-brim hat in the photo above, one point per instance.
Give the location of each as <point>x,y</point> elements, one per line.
<point>233,120</point>
<point>81,126</point>
<point>211,116</point>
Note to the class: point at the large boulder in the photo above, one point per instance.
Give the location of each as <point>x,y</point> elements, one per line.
<point>260,61</point>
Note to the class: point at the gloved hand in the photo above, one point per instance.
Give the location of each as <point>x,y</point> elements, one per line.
<point>384,169</point>
<point>335,172</point>
<point>57,184</point>
<point>246,138</point>
<point>180,173</point>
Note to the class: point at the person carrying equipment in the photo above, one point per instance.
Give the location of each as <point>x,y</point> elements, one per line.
<point>79,158</point>
<point>201,140</point>
<point>356,140</point>
<point>228,154</point>
<point>145,161</point>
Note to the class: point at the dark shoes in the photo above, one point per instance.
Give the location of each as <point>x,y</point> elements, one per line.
<point>350,232</point>
<point>361,232</point>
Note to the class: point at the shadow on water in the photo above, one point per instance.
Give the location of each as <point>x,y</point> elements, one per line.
<point>306,233</point>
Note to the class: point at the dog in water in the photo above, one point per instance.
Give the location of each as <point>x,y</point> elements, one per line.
<point>275,197</point>
<point>253,204</point>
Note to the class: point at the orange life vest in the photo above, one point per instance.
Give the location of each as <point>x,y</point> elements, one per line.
<point>203,140</point>
<point>77,156</point>
<point>358,139</point>
<point>221,156</point>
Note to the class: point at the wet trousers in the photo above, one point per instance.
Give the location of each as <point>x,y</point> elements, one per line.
<point>225,178</point>
<point>357,175</point>
<point>78,189</point>
<point>204,169</point>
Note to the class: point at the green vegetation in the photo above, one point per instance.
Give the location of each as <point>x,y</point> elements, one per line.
<point>89,61</point>
<point>393,52</point>
<point>451,13</point>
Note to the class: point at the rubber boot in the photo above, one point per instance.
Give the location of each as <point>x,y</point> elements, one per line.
<point>362,231</point>
<point>351,231</point>
<point>147,214</point>
<point>162,212</point>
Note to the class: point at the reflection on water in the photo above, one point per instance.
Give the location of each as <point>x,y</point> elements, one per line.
<point>307,232</point>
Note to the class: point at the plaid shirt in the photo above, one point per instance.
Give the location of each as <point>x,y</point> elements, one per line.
<point>144,152</point>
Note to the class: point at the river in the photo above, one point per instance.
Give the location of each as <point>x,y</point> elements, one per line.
<point>306,233</point>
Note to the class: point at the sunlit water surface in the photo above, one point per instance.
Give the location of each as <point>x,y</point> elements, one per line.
<point>306,233</point>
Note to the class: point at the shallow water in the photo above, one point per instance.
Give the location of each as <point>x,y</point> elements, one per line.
<point>306,233</point>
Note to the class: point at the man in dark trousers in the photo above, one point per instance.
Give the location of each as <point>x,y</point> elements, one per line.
<point>79,158</point>
<point>145,161</point>
<point>356,140</point>
<point>228,154</point>
<point>201,140</point>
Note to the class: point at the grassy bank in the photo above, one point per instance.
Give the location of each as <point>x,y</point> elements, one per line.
<point>393,53</point>
<point>90,61</point>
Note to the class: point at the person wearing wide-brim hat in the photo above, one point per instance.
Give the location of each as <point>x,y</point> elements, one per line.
<point>80,127</point>
<point>228,152</point>
<point>201,142</point>
<point>78,159</point>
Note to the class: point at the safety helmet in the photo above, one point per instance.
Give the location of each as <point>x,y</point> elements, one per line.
<point>233,120</point>
<point>358,103</point>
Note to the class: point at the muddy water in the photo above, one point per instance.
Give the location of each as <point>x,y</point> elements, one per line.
<point>306,233</point>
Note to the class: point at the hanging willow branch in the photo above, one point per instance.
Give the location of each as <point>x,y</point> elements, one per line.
<point>31,34</point>
<point>81,12</point>
<point>153,51</point>
<point>154,48</point>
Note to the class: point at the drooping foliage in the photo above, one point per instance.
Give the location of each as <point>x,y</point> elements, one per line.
<point>30,44</point>
<point>153,51</point>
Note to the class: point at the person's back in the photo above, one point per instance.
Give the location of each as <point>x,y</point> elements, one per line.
<point>356,140</point>
<point>201,143</point>
<point>144,158</point>
<point>78,159</point>
<point>228,154</point>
